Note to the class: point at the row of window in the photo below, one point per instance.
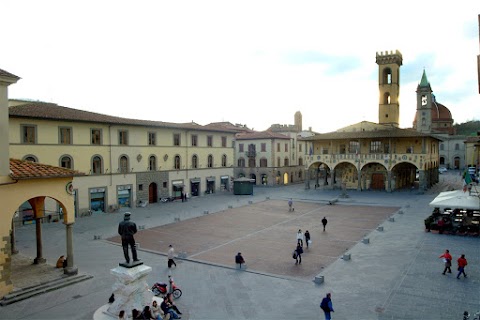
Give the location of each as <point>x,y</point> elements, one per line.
<point>264,162</point>
<point>375,147</point>
<point>65,136</point>
<point>66,161</point>
<point>442,146</point>
<point>263,147</point>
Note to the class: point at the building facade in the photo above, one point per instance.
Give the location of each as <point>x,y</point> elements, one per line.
<point>127,161</point>
<point>371,156</point>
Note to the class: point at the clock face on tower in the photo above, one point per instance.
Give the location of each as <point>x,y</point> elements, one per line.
<point>424,100</point>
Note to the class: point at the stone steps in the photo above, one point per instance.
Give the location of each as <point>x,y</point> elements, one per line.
<point>28,292</point>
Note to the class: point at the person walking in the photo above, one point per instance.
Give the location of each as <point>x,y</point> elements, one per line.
<point>298,255</point>
<point>171,253</point>
<point>462,263</point>
<point>290,205</point>
<point>324,222</point>
<point>239,259</point>
<point>307,237</point>
<point>326,306</point>
<point>448,261</point>
<point>300,237</point>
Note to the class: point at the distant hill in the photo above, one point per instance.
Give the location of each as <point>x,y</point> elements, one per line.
<point>469,128</point>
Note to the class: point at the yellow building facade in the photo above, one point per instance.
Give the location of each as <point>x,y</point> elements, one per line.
<point>127,162</point>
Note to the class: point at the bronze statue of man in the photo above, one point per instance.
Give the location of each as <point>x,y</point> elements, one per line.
<point>127,229</point>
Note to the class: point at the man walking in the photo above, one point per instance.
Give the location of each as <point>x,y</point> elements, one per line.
<point>171,253</point>
<point>448,261</point>
<point>239,259</point>
<point>462,263</point>
<point>324,222</point>
<point>326,306</point>
<point>290,205</point>
<point>298,255</point>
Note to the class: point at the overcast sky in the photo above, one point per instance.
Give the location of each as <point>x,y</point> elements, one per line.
<point>249,62</point>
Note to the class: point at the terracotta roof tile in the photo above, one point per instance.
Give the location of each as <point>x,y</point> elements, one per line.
<point>4,73</point>
<point>392,133</point>
<point>23,170</point>
<point>52,111</point>
<point>261,135</point>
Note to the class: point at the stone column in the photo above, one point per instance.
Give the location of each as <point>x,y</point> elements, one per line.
<point>359,177</point>
<point>71,269</point>
<point>332,179</point>
<point>38,229</point>
<point>307,179</point>
<point>12,239</point>
<point>389,181</point>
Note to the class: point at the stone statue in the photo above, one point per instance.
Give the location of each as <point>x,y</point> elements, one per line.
<point>127,229</point>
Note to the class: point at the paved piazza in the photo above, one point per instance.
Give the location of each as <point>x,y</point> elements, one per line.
<point>265,233</point>
<point>398,275</point>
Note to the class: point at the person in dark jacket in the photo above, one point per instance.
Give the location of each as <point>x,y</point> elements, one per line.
<point>326,306</point>
<point>127,229</point>
<point>239,259</point>
<point>299,251</point>
<point>307,237</point>
<point>324,222</point>
<point>167,309</point>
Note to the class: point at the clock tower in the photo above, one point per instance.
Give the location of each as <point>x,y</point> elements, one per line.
<point>423,117</point>
<point>389,87</point>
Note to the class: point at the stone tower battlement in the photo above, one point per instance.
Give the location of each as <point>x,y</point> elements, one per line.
<point>389,57</point>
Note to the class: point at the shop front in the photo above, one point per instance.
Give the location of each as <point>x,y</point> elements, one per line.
<point>97,199</point>
<point>177,189</point>
<point>124,196</point>
<point>210,185</point>
<point>195,187</point>
<point>224,185</point>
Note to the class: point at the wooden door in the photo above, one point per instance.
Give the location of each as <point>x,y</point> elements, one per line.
<point>378,181</point>
<point>152,193</point>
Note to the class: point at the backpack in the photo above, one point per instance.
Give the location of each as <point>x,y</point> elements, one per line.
<point>294,255</point>
<point>324,305</point>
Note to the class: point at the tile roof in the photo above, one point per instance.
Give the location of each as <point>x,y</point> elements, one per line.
<point>4,73</point>
<point>24,170</point>
<point>52,111</point>
<point>260,135</point>
<point>391,133</point>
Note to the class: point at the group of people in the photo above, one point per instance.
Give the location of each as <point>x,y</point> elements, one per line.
<point>297,253</point>
<point>165,311</point>
<point>461,264</point>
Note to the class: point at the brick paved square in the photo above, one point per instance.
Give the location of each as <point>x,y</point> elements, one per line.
<point>265,233</point>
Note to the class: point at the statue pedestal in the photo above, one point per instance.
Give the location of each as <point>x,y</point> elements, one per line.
<point>130,289</point>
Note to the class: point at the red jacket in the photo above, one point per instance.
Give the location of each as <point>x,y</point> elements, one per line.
<point>462,262</point>
<point>447,256</point>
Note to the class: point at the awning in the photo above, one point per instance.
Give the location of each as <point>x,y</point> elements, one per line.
<point>196,180</point>
<point>211,179</point>
<point>177,183</point>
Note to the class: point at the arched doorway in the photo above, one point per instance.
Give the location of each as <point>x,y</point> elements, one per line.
<point>254,177</point>
<point>152,193</point>
<point>456,163</point>
<point>264,179</point>
<point>285,178</point>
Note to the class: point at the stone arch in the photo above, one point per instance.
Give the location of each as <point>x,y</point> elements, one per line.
<point>35,191</point>
<point>372,175</point>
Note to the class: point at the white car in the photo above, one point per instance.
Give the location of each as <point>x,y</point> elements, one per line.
<point>442,170</point>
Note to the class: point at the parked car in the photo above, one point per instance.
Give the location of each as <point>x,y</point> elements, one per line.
<point>442,170</point>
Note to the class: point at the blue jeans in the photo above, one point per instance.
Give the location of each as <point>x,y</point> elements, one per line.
<point>460,271</point>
